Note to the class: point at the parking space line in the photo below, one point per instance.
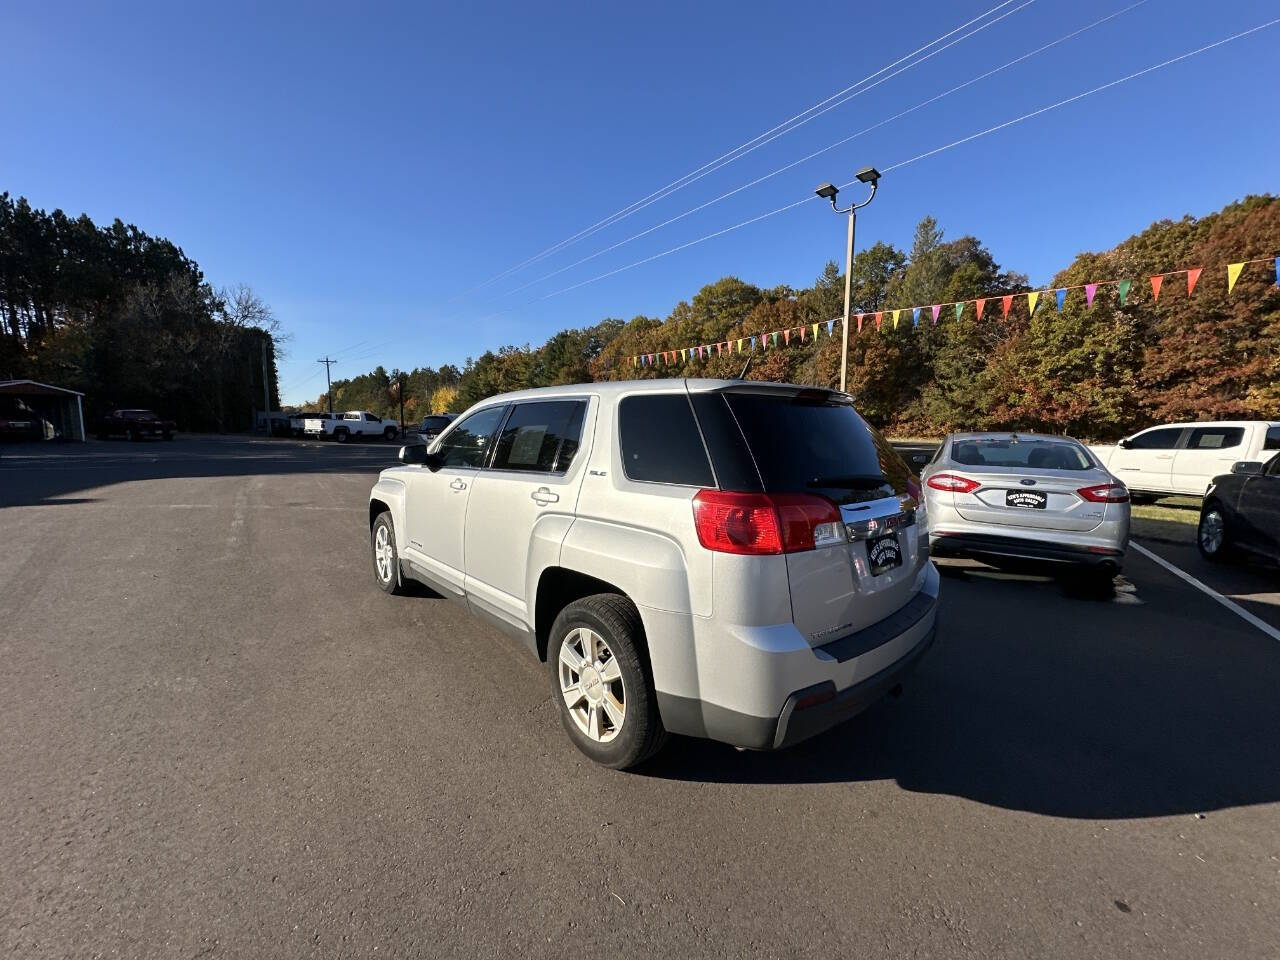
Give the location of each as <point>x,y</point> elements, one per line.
<point>1231,605</point>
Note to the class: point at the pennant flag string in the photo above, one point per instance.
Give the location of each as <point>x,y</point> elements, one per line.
<point>1123,289</point>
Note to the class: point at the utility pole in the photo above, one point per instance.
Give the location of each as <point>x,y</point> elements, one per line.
<point>328,382</point>
<point>400,394</point>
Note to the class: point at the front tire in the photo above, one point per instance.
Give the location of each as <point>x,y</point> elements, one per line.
<point>386,561</point>
<point>601,683</point>
<point>1211,535</point>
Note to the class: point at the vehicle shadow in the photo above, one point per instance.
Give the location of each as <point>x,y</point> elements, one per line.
<point>1033,700</point>
<point>46,474</point>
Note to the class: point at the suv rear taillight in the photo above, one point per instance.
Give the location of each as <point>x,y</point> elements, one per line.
<point>762,523</point>
<point>1105,493</point>
<point>953,483</point>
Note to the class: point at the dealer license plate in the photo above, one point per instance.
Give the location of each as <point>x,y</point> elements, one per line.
<point>1030,499</point>
<point>883,554</point>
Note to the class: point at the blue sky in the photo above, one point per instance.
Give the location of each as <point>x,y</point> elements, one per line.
<point>364,166</point>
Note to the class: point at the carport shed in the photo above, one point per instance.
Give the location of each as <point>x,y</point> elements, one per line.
<point>58,407</point>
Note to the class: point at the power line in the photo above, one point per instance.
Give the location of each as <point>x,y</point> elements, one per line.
<point>929,153</point>
<point>826,149</point>
<point>738,152</point>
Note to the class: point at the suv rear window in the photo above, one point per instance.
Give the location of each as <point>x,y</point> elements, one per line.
<point>661,442</point>
<point>814,442</point>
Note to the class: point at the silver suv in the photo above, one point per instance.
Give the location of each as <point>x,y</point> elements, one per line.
<point>741,561</point>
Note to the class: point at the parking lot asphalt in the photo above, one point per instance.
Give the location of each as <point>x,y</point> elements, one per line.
<point>220,739</point>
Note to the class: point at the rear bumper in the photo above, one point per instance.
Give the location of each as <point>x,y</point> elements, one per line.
<point>766,689</point>
<point>1026,548</point>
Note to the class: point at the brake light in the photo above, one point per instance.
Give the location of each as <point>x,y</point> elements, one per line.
<point>761,524</point>
<point>953,483</point>
<point>1105,493</point>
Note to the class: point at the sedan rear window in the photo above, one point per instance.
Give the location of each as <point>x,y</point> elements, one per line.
<point>815,442</point>
<point>1020,454</point>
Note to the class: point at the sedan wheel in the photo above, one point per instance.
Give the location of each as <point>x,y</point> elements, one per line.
<point>1212,535</point>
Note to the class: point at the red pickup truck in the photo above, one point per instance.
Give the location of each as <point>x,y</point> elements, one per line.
<point>135,424</point>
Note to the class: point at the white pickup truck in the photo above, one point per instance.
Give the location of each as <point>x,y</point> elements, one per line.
<point>1183,458</point>
<point>354,423</point>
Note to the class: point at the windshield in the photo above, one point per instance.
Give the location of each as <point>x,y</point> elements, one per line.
<point>815,443</point>
<point>141,415</point>
<point>1020,453</point>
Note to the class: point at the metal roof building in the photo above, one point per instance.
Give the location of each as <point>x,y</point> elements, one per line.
<point>60,410</point>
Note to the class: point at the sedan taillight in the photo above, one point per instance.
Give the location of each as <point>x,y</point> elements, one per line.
<point>953,483</point>
<point>1105,493</point>
<point>761,524</point>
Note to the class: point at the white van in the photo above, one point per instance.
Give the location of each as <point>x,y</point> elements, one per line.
<point>1183,458</point>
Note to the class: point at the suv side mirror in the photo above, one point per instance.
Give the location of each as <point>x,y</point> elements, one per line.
<point>1250,468</point>
<point>413,453</point>
<point>1125,444</point>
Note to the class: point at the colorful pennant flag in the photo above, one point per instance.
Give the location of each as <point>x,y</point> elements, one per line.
<point>1156,283</point>
<point>1090,291</point>
<point>1032,300</point>
<point>1062,298</point>
<point>879,317</point>
<point>1123,287</point>
<point>1278,271</point>
<point>1192,276</point>
<point>915,316</point>
<point>859,323</point>
<point>981,302</point>
<point>1233,274</point>
<point>959,309</point>
<point>895,319</point>
<point>937,309</point>
<point>831,326</point>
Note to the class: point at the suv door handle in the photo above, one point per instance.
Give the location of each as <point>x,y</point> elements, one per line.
<point>1164,456</point>
<point>459,485</point>
<point>542,496</point>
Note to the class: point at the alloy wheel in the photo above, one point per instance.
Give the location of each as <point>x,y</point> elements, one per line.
<point>591,684</point>
<point>1211,532</point>
<point>383,552</point>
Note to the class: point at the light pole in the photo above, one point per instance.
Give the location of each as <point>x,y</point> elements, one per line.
<point>828,191</point>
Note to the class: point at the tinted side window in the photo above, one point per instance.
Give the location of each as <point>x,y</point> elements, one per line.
<point>468,442</point>
<point>1215,438</point>
<point>661,442</point>
<point>1273,439</point>
<point>1164,439</point>
<point>541,436</point>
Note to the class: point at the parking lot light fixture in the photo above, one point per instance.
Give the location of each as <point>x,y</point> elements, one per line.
<point>829,191</point>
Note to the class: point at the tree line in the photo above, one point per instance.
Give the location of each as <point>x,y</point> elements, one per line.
<point>129,320</point>
<point>1094,372</point>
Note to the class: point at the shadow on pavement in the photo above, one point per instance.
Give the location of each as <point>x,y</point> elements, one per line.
<point>40,474</point>
<point>1149,705</point>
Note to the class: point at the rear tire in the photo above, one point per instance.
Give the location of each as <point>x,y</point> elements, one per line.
<point>605,698</point>
<point>340,435</point>
<point>1142,499</point>
<point>1211,534</point>
<point>389,433</point>
<point>386,560</point>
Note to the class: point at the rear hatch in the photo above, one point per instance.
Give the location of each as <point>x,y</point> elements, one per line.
<point>813,442</point>
<point>1028,482</point>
